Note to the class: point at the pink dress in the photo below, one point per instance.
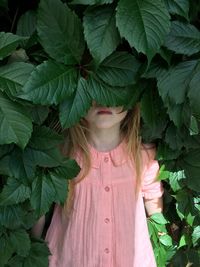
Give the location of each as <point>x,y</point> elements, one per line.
<point>108,227</point>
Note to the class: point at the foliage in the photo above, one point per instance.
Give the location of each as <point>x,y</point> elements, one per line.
<point>55,57</point>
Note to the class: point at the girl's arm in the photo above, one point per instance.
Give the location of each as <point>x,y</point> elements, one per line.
<point>37,229</point>
<point>153,205</point>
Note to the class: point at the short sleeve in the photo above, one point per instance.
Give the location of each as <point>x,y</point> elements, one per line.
<point>151,187</point>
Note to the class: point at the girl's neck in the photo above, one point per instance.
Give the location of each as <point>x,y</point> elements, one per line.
<point>104,139</point>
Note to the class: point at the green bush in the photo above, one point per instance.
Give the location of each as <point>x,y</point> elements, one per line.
<point>55,57</point>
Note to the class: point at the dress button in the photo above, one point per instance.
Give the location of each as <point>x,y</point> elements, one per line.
<point>106,250</point>
<point>106,159</point>
<point>107,220</point>
<point>107,188</point>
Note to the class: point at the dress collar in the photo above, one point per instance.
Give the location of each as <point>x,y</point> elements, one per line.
<point>117,155</point>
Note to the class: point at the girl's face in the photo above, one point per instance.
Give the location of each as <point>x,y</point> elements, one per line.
<point>104,117</point>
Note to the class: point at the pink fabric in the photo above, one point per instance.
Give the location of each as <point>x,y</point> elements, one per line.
<point>108,227</point>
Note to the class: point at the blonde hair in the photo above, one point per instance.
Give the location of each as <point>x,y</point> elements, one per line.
<point>75,138</point>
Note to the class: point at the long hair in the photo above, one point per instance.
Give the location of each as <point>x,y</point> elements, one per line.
<point>76,139</point>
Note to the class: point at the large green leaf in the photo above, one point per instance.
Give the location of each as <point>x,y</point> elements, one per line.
<point>174,84</point>
<point>76,106</point>
<point>183,38</point>
<point>153,114</point>
<point>179,7</point>
<point>44,138</point>
<point>91,2</point>
<point>100,31</point>
<point>44,158</point>
<point>6,250</point>
<point>105,94</point>
<point>14,76</point>
<point>27,23</point>
<point>8,43</point>
<point>119,69</point>
<point>191,164</point>
<point>60,31</point>
<point>43,194</point>
<point>144,24</point>
<point>50,83</point>
<point>23,168</point>
<point>12,216</point>
<point>60,187</point>
<point>39,113</point>
<point>196,235</point>
<point>194,93</point>
<point>173,137</point>
<point>19,237</point>
<point>68,170</point>
<point>38,255</point>
<point>14,192</point>
<point>15,125</point>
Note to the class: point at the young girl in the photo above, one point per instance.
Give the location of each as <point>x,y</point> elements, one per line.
<point>103,223</point>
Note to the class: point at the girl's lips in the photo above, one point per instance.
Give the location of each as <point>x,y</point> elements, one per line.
<point>104,111</point>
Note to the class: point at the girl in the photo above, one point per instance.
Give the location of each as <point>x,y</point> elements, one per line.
<point>103,223</point>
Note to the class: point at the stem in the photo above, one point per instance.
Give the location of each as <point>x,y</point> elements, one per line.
<point>14,19</point>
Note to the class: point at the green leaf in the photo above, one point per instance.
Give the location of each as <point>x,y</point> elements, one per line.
<point>190,163</point>
<point>43,194</point>
<point>27,23</point>
<point>194,93</point>
<point>100,31</point>
<point>6,250</point>
<point>183,38</point>
<point>38,255</point>
<point>119,69</point>
<point>12,216</point>
<point>158,218</point>
<point>166,240</point>
<point>76,106</point>
<point>164,152</point>
<point>39,113</point>
<point>178,77</point>
<point>153,114</point>
<point>175,179</point>
<point>16,126</point>
<point>44,138</point>
<point>91,2</point>
<point>194,129</point>
<point>20,242</point>
<point>104,94</point>
<point>179,7</point>
<point>44,158</point>
<point>192,158</point>
<point>60,31</point>
<point>68,170</point>
<point>182,241</point>
<point>196,235</point>
<point>185,206</point>
<point>16,261</point>
<point>8,43</point>
<point>60,187</point>
<point>14,76</point>
<point>23,168</point>
<point>163,174</point>
<point>173,137</point>
<point>144,24</point>
<point>14,192</point>
<point>50,83</point>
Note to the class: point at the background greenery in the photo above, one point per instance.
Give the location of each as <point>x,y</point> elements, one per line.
<point>55,57</point>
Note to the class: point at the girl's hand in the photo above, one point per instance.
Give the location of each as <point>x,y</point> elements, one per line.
<point>154,205</point>
<point>37,229</point>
